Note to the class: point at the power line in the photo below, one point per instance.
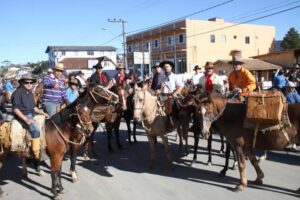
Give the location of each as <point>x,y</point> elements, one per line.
<point>194,13</point>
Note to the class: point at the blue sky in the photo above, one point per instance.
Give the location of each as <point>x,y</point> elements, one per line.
<point>29,26</point>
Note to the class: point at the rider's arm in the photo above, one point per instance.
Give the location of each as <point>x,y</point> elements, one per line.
<point>48,82</point>
<point>20,115</point>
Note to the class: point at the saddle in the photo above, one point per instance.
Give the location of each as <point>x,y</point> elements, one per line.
<point>104,113</point>
<point>16,138</point>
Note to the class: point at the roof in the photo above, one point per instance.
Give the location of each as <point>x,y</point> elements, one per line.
<point>80,48</point>
<point>76,63</point>
<point>254,64</point>
<point>277,52</point>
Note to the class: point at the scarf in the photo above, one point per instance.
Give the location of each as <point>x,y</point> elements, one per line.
<point>209,83</point>
<point>102,78</point>
<point>121,78</point>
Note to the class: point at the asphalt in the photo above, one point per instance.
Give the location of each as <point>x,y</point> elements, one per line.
<point>125,175</point>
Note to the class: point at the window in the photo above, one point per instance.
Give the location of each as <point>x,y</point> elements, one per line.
<point>90,53</point>
<point>129,49</point>
<point>223,37</point>
<point>212,38</point>
<point>170,40</point>
<point>247,40</point>
<point>63,53</point>
<point>146,45</point>
<point>156,43</point>
<point>180,38</point>
<point>234,37</point>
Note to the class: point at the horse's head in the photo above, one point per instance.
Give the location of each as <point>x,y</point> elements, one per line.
<point>122,96</point>
<point>210,109</point>
<point>103,95</point>
<point>84,114</point>
<point>139,104</point>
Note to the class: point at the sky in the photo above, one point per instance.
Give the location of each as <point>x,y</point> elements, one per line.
<point>27,27</point>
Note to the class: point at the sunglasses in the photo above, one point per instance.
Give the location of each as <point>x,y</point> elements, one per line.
<point>28,82</point>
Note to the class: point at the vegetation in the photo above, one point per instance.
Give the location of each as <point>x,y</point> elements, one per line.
<point>291,40</point>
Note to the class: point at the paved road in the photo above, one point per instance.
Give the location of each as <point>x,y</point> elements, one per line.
<point>125,175</point>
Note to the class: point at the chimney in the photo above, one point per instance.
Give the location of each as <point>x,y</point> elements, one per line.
<point>216,19</point>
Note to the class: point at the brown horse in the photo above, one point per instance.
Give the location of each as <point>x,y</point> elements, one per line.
<point>231,117</point>
<point>69,126</point>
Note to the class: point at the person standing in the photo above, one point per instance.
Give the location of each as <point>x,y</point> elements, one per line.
<point>197,75</point>
<point>211,82</point>
<point>24,109</point>
<point>54,92</point>
<point>291,94</point>
<point>280,80</point>
<point>240,79</point>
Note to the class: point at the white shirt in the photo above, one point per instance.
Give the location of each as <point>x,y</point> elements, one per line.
<point>196,78</point>
<point>224,78</point>
<point>82,82</point>
<point>173,82</point>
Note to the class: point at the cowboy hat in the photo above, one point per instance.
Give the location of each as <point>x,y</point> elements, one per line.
<point>73,81</point>
<point>296,66</point>
<point>157,64</point>
<point>120,66</point>
<point>59,66</point>
<point>236,57</point>
<point>196,67</point>
<point>27,77</point>
<point>209,65</point>
<point>167,62</point>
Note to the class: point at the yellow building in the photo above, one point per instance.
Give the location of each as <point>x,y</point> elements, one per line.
<point>189,42</point>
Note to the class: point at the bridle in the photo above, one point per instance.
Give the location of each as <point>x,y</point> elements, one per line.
<point>82,124</point>
<point>108,95</point>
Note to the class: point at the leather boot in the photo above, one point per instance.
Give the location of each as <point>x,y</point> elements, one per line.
<point>35,145</point>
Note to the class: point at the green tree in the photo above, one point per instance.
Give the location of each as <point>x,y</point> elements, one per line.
<point>291,40</point>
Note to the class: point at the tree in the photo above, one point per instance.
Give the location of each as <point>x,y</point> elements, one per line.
<point>291,40</point>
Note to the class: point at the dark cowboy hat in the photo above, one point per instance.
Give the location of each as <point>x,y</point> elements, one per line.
<point>209,65</point>
<point>162,64</point>
<point>73,81</point>
<point>26,77</point>
<point>59,66</point>
<point>80,72</point>
<point>196,67</point>
<point>236,57</point>
<point>100,60</point>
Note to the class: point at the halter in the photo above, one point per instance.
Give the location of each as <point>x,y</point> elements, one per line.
<point>82,123</point>
<point>109,95</point>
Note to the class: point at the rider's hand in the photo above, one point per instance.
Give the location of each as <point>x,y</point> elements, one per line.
<point>56,85</point>
<point>245,90</point>
<point>237,90</point>
<point>28,122</point>
<point>46,115</point>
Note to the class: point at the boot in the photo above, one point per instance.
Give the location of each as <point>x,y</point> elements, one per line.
<point>35,145</point>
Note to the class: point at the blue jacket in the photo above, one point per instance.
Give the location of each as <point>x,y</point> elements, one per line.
<point>8,86</point>
<point>279,81</point>
<point>292,97</point>
<point>71,95</point>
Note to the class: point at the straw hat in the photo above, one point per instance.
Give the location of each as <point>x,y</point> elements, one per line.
<point>236,57</point>
<point>59,66</point>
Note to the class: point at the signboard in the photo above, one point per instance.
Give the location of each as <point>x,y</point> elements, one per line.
<point>139,58</point>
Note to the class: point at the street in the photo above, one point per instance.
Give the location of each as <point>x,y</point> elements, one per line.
<point>125,175</point>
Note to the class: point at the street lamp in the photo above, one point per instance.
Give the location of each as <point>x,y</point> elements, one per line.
<point>112,33</point>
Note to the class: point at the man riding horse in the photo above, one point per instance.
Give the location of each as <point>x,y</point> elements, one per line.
<point>24,108</point>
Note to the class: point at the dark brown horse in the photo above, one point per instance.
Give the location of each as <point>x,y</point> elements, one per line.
<point>231,117</point>
<point>69,126</point>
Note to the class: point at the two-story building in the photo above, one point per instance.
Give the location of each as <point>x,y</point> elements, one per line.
<point>189,42</point>
<point>80,57</point>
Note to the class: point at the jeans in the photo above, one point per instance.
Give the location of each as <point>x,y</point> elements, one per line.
<point>50,108</point>
<point>33,128</point>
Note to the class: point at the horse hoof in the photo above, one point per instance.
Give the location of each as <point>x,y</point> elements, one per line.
<point>258,182</point>
<point>129,141</point>
<point>2,194</point>
<point>57,197</point>
<point>86,158</point>
<point>298,191</point>
<point>135,141</point>
<point>41,173</point>
<point>222,173</point>
<point>208,163</point>
<point>221,152</point>
<point>25,175</point>
<point>238,188</point>
<point>62,191</point>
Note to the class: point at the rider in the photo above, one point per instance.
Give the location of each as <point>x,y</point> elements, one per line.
<point>54,92</point>
<point>158,77</point>
<point>100,77</point>
<point>119,78</point>
<point>240,80</point>
<point>211,82</point>
<point>24,109</point>
<point>197,76</point>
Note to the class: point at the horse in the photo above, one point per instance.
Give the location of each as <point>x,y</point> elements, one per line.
<point>128,116</point>
<point>146,111</point>
<point>231,118</point>
<point>69,126</point>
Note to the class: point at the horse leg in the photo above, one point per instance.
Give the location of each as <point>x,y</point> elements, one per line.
<point>2,159</point>
<point>117,133</point>
<point>134,131</point>
<point>56,161</point>
<point>196,142</point>
<point>73,157</point>
<point>242,169</point>
<point>209,141</point>
<point>37,166</point>
<point>263,157</point>
<point>152,150</point>
<point>235,162</point>
<point>166,150</point>
<point>24,168</point>
<point>222,144</point>
<point>61,189</point>
<point>254,162</point>
<point>86,148</point>
<point>128,130</point>
<point>227,155</point>
<point>109,135</point>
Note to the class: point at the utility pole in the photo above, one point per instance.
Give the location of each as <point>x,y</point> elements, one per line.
<point>124,39</point>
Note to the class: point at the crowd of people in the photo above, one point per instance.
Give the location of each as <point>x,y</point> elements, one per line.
<point>57,91</point>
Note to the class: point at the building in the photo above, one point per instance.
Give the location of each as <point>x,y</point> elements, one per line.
<point>189,42</point>
<point>80,57</point>
<point>285,58</point>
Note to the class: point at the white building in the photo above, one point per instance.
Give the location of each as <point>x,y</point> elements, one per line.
<point>88,53</point>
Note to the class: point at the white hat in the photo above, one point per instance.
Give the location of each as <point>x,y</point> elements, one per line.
<point>290,84</point>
